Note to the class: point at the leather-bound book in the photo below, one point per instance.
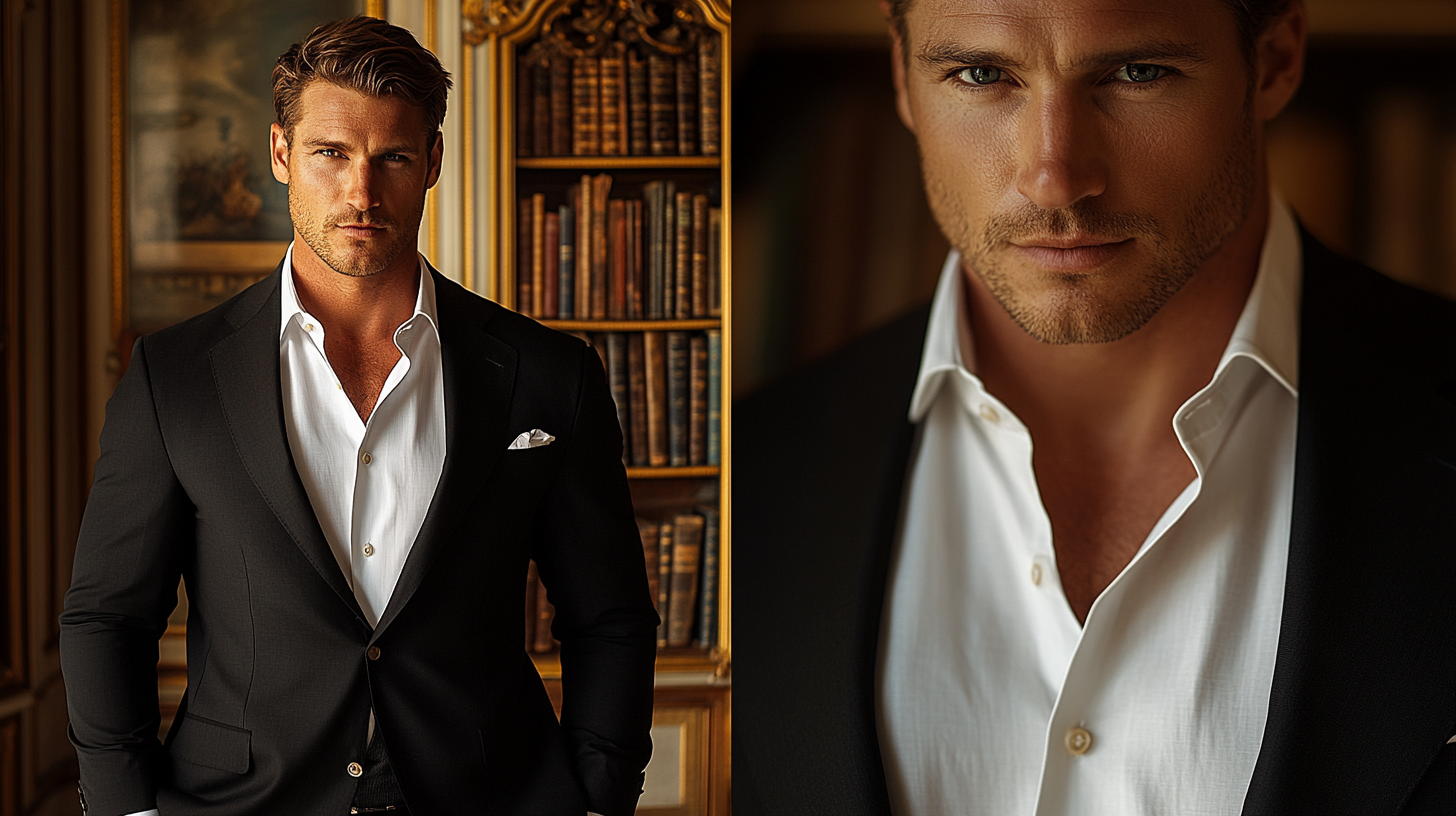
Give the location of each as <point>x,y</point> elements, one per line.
<point>664,579</point>
<point>618,383</point>
<point>523,106</point>
<point>648,531</point>
<point>661,105</point>
<point>652,205</point>
<point>687,106</point>
<point>715,396</point>
<point>566,289</point>
<point>715,262</point>
<point>669,248</point>
<point>545,612</point>
<point>583,249</point>
<point>601,187</point>
<point>700,255</point>
<point>637,397</point>
<point>707,634</point>
<point>677,398</point>
<point>682,266</point>
<point>540,108</point>
<point>636,280</point>
<point>538,254</point>
<point>654,346</point>
<point>710,98</point>
<point>523,256</point>
<point>586,106</point>
<point>560,106</point>
<point>617,259</point>
<point>611,102</point>
<point>698,400</point>
<point>551,265</point>
<point>687,553</point>
<point>531,581</point>
<point>636,103</point>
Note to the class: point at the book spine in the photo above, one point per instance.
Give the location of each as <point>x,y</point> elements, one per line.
<point>586,135</point>
<point>687,106</point>
<point>661,107</point>
<point>617,262</point>
<point>523,106</point>
<point>540,108</point>
<point>707,636</point>
<point>709,95</point>
<point>664,579</point>
<point>669,249</point>
<point>715,396</point>
<point>715,262</point>
<point>566,289</point>
<point>637,397</point>
<point>698,400</point>
<point>531,581</point>
<point>624,133</point>
<point>648,531</point>
<point>677,398</point>
<point>687,547</point>
<point>611,103</point>
<point>652,197</point>
<point>683,258</point>
<point>523,256</point>
<point>551,267</point>
<point>583,250</point>
<point>637,103</point>
<point>700,256</point>
<point>601,186</point>
<point>538,254</point>
<point>560,106</point>
<point>637,280</point>
<point>655,377</point>
<point>545,613</point>
<point>617,382</point>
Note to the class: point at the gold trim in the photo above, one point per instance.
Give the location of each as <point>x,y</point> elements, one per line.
<point>632,325</point>
<point>617,162</point>
<point>720,19</point>
<point>374,8</point>
<point>467,163</point>
<point>432,40</point>
<point>689,472</point>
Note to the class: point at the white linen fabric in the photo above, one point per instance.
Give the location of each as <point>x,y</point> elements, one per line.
<point>989,691</point>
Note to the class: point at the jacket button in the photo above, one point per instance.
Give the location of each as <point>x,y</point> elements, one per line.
<point>355,769</point>
<point>1079,740</point>
<point>373,653</point>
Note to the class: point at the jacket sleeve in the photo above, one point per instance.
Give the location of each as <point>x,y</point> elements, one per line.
<point>589,554</point>
<point>138,523</point>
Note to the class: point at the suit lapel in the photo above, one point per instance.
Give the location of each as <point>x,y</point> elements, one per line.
<point>479,375</point>
<point>1361,700</point>
<point>246,373</point>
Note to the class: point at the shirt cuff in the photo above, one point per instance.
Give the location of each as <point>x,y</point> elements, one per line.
<point>152,812</point>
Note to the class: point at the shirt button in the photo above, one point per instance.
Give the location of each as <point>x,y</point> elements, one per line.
<point>373,653</point>
<point>1079,740</point>
<point>355,769</point>
<point>308,327</point>
<point>368,550</point>
<point>368,458</point>
<point>989,414</point>
<point>1035,573</point>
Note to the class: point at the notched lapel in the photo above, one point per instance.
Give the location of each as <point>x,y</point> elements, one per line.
<point>479,376</point>
<point>245,370</point>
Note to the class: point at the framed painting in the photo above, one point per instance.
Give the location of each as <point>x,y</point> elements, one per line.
<point>196,213</point>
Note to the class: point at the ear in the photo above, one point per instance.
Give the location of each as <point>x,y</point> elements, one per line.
<point>278,152</point>
<point>897,67</point>
<point>1280,62</point>
<point>437,155</point>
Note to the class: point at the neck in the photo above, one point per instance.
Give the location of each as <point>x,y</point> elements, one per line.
<point>1120,396</point>
<point>356,308</point>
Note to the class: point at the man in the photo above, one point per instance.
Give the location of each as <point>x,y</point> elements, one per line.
<point>350,464</point>
<point>1152,510</point>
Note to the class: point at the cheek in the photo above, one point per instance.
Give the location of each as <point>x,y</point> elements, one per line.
<point>968,153</point>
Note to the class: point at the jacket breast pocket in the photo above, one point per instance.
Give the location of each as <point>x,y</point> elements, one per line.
<point>200,741</point>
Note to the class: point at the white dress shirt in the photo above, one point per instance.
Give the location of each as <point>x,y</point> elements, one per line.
<point>992,698</point>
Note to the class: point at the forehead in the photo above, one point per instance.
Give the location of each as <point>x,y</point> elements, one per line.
<point>1066,31</point>
<point>336,113</point>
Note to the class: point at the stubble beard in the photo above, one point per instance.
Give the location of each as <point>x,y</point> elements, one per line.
<point>1075,311</point>
<point>315,233</point>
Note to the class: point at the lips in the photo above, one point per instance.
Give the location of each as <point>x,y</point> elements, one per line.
<point>1076,254</point>
<point>360,230</point>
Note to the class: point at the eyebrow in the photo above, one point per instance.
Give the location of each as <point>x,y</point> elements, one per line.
<point>942,54</point>
<point>344,148</point>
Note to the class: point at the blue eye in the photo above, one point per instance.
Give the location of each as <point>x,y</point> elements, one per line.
<point>980,75</point>
<point>1140,72</point>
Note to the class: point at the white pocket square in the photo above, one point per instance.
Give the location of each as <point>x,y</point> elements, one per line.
<point>535,438</point>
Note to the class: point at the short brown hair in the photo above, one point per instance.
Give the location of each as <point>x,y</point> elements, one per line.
<point>366,55</point>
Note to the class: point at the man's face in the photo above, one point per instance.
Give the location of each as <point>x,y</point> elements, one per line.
<point>1085,156</point>
<point>357,169</point>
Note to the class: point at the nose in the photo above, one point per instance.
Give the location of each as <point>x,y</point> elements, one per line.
<point>1060,152</point>
<point>361,194</point>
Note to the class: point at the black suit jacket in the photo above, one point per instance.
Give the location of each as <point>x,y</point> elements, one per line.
<point>1364,691</point>
<point>196,480</point>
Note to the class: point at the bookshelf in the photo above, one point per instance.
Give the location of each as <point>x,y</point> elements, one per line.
<point>606,200</point>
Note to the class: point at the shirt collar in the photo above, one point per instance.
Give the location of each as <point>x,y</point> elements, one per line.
<point>424,296</point>
<point>1267,330</point>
